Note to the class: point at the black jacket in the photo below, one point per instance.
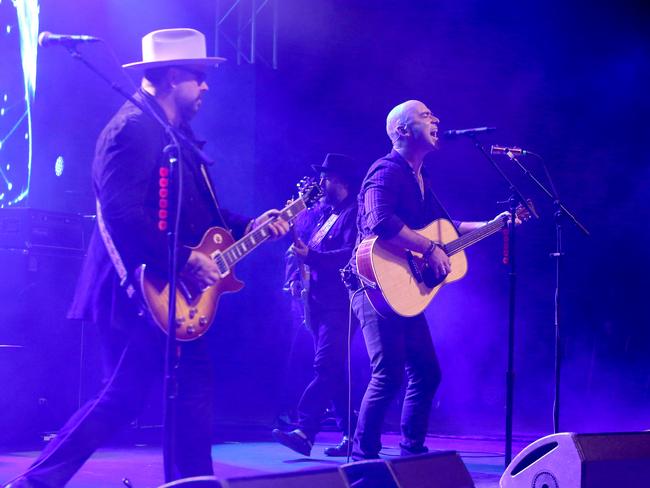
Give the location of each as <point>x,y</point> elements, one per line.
<point>125,176</point>
<point>330,255</point>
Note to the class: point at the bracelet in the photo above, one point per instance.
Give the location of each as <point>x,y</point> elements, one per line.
<point>432,246</point>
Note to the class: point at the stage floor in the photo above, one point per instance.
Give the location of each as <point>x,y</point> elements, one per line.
<point>142,464</point>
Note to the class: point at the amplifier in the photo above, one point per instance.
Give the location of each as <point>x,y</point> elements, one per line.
<point>568,460</point>
<point>29,228</point>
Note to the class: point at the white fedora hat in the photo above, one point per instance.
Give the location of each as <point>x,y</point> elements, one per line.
<point>174,47</point>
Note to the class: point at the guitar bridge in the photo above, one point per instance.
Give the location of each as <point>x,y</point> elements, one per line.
<point>415,271</point>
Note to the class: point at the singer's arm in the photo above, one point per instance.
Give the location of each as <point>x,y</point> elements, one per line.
<point>381,196</point>
<point>465,227</point>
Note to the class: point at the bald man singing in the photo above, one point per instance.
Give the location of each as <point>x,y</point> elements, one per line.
<point>396,197</point>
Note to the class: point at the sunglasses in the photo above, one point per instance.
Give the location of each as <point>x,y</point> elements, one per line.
<point>199,76</point>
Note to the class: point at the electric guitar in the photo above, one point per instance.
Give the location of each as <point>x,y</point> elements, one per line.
<point>305,281</point>
<point>196,308</point>
<point>401,282</point>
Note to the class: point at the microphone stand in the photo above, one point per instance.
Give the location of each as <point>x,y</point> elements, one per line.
<point>560,212</point>
<point>515,198</point>
<point>172,356</point>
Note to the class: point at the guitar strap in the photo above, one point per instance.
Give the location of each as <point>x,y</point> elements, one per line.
<point>322,232</point>
<point>455,223</point>
<point>208,183</point>
<point>114,254</point>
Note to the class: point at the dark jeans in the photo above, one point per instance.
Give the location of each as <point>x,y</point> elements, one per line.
<point>330,383</point>
<point>137,358</point>
<point>395,344</point>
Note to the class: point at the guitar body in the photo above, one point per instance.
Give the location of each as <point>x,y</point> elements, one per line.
<point>398,290</point>
<point>195,309</point>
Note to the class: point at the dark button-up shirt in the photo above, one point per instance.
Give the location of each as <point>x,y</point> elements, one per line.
<point>332,253</point>
<point>390,198</point>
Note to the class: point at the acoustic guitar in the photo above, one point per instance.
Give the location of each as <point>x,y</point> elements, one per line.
<point>401,282</point>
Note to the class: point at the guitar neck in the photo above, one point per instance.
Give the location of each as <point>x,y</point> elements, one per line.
<point>474,236</point>
<point>253,239</point>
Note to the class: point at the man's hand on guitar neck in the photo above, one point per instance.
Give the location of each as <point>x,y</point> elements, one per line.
<point>518,220</point>
<point>278,226</point>
<point>200,271</point>
<point>465,227</point>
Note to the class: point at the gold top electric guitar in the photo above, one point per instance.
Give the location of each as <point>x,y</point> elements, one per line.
<point>195,308</point>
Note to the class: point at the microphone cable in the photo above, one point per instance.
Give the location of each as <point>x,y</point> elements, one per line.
<point>350,319</point>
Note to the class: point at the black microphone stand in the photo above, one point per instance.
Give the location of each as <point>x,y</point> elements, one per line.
<point>560,212</point>
<point>515,199</point>
<point>173,154</point>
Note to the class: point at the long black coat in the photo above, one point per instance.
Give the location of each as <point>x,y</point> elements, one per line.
<point>125,176</point>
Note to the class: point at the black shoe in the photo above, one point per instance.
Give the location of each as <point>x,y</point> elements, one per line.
<point>412,450</point>
<point>295,440</point>
<point>360,456</point>
<point>22,482</point>
<point>342,449</point>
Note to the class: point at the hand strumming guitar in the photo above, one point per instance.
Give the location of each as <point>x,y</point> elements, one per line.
<point>295,288</point>
<point>439,262</point>
<point>300,248</point>
<point>200,270</point>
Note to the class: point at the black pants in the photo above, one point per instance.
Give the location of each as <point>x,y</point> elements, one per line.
<point>330,382</point>
<point>137,358</point>
<point>394,345</point>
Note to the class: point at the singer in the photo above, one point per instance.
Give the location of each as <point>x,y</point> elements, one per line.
<point>125,173</point>
<point>397,197</point>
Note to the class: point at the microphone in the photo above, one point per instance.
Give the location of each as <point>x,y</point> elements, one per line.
<point>46,39</point>
<point>515,151</point>
<point>467,132</point>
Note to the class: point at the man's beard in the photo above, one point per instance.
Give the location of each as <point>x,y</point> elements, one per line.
<point>190,110</point>
<point>330,198</point>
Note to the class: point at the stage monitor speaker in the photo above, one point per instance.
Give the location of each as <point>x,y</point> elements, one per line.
<point>373,473</point>
<point>312,478</point>
<point>194,482</point>
<point>434,470</point>
<point>570,460</point>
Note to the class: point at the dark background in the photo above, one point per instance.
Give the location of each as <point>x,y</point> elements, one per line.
<point>568,80</point>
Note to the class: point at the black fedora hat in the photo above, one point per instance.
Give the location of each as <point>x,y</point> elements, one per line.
<point>341,165</point>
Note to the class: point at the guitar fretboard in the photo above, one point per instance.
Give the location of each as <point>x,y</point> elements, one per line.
<point>474,236</point>
<point>250,241</point>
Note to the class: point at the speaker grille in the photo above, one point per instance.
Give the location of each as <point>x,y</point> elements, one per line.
<point>545,480</point>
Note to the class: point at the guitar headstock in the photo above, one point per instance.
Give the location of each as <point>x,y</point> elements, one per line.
<point>522,212</point>
<point>309,190</point>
